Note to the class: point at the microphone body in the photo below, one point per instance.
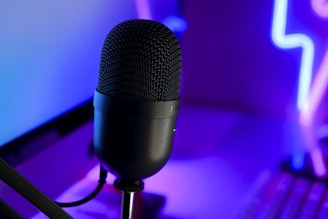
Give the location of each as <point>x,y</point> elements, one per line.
<point>137,135</point>
<point>136,103</point>
<point>136,100</point>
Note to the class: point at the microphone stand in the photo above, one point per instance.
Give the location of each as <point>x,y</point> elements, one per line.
<point>127,204</point>
<point>21,185</point>
<point>128,187</point>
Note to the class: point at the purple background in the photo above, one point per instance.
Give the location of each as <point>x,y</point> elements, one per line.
<point>231,62</point>
<point>238,92</point>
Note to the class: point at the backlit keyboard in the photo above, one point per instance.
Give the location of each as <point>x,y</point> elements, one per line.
<point>286,196</point>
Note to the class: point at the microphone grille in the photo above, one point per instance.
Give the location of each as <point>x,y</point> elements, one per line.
<point>140,60</point>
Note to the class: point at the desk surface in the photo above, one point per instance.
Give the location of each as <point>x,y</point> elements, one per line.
<point>217,156</point>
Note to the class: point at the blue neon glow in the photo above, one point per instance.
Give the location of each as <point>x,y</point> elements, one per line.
<point>177,24</point>
<point>281,39</point>
<point>297,161</point>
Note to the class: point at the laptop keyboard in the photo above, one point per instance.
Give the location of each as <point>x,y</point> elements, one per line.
<point>286,196</point>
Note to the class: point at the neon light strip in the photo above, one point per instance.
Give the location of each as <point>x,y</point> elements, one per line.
<point>319,86</point>
<point>317,91</point>
<point>292,41</point>
<point>318,163</point>
<point>306,103</point>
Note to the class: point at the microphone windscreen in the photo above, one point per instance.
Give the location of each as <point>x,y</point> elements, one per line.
<point>140,60</point>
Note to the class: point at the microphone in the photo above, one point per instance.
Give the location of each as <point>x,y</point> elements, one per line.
<point>136,101</point>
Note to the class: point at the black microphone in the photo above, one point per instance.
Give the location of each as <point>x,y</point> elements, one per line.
<point>136,101</point>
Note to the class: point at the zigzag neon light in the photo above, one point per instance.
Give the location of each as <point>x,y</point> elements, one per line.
<point>292,41</point>
<point>307,101</point>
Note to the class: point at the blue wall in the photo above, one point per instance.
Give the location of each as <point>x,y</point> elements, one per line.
<point>49,57</point>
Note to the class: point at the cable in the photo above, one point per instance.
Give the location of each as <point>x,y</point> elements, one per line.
<point>102,182</point>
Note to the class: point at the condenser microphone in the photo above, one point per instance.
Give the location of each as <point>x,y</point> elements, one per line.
<point>136,101</point>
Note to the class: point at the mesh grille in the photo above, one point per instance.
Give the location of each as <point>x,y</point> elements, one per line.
<point>140,60</point>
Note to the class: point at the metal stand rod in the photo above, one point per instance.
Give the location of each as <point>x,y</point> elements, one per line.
<point>129,187</point>
<point>127,205</point>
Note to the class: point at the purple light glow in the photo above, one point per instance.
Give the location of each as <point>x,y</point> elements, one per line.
<point>216,157</point>
<point>319,167</point>
<point>313,100</point>
<point>317,91</point>
<point>143,9</point>
<point>190,181</point>
<point>195,178</point>
<point>320,7</point>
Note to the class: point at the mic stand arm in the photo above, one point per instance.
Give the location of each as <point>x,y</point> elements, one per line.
<point>16,181</point>
<point>8,212</point>
<point>128,187</point>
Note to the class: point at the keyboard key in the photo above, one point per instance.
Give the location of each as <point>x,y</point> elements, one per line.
<point>294,201</point>
<point>323,211</point>
<point>254,198</point>
<point>286,196</point>
<point>275,197</point>
<point>313,201</point>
